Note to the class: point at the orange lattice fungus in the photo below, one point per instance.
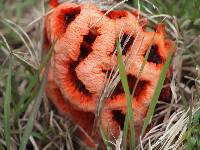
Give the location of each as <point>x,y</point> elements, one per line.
<point>84,51</point>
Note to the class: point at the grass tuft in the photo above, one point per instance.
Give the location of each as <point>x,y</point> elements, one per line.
<point>38,100</point>
<point>174,124</point>
<point>7,102</point>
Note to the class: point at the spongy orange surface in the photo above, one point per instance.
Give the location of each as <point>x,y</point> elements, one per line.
<point>85,43</point>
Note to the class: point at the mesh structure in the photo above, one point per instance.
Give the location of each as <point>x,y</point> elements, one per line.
<point>84,53</point>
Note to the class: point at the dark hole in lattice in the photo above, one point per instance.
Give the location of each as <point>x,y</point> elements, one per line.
<point>88,40</point>
<point>154,55</point>
<point>109,75</point>
<point>126,44</point>
<point>85,50</point>
<point>71,15</point>
<point>119,117</point>
<point>131,82</point>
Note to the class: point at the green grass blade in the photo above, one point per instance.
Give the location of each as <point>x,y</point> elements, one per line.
<point>29,126</point>
<point>125,133</point>
<point>7,100</point>
<point>157,91</point>
<point>125,85</point>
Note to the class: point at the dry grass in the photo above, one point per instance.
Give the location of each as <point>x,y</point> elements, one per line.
<point>173,125</point>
